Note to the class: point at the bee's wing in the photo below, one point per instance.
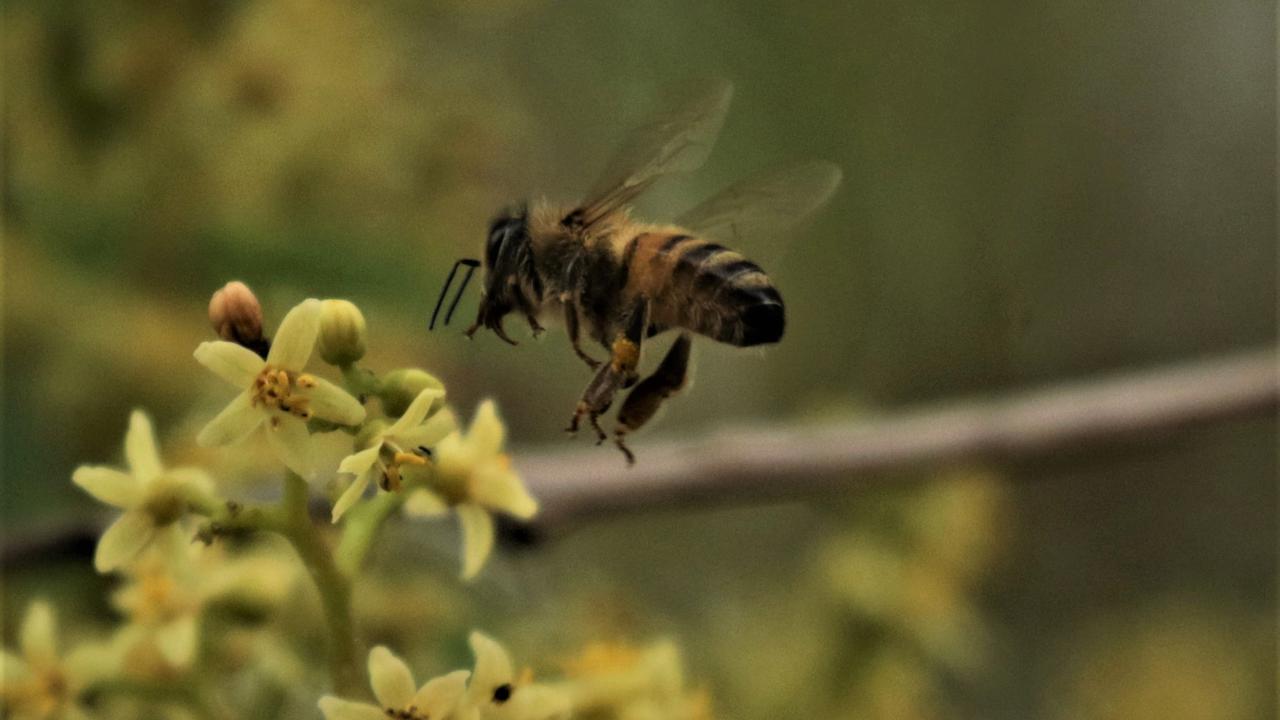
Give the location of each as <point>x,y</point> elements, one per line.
<point>753,215</point>
<point>677,141</point>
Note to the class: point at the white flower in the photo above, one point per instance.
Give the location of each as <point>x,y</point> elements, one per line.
<point>474,477</point>
<point>277,393</point>
<point>393,686</point>
<point>624,681</point>
<point>153,498</point>
<point>394,446</point>
<point>37,683</point>
<point>171,586</point>
<point>495,692</point>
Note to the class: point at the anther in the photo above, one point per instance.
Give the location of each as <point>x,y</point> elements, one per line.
<point>410,458</point>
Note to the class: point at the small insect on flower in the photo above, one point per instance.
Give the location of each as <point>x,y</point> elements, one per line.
<point>621,281</point>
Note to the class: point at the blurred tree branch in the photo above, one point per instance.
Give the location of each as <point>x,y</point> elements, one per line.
<point>743,466</point>
<point>796,461</point>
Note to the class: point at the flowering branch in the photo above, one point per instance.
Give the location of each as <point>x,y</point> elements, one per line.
<point>412,455</point>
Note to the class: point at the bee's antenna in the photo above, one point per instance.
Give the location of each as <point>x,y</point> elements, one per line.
<point>471,265</point>
<point>471,269</point>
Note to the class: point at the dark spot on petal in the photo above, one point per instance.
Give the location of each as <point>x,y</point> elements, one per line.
<point>502,693</point>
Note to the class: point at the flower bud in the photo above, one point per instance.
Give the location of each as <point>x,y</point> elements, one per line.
<point>236,315</point>
<point>401,387</point>
<point>342,330</point>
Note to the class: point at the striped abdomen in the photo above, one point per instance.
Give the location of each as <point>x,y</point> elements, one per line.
<point>707,288</point>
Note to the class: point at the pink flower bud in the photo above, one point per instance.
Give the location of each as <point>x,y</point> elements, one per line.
<point>236,315</point>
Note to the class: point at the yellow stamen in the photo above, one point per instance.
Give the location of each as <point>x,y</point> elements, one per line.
<point>410,458</point>
<point>391,478</point>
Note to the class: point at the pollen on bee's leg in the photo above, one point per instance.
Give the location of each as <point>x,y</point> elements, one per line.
<point>626,355</point>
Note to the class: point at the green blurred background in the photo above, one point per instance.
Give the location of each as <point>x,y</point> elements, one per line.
<point>1034,191</point>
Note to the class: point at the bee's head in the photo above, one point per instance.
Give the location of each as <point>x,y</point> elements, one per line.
<point>511,280</point>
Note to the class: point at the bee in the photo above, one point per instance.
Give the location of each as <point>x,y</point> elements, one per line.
<point>620,281</point>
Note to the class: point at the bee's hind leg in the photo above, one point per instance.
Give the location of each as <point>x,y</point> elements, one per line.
<point>618,373</point>
<point>643,402</point>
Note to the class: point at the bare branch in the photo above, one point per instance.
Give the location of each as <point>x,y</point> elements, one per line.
<point>783,462</point>
<point>744,466</point>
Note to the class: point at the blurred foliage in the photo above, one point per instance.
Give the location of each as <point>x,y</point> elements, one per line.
<point>1034,191</point>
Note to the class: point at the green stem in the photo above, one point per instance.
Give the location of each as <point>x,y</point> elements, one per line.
<point>360,528</point>
<point>231,518</point>
<point>332,584</point>
<point>360,381</point>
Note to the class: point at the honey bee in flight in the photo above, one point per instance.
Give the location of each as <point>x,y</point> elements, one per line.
<point>621,281</point>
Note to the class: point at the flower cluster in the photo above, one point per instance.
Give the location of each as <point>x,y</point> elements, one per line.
<point>491,690</point>
<point>209,585</point>
<point>420,455</point>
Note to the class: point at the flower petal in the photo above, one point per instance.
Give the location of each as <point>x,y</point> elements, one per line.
<point>416,412</point>
<point>351,495</point>
<point>439,696</point>
<point>358,463</point>
<point>193,481</point>
<point>390,677</point>
<point>177,640</point>
<point>123,540</point>
<point>237,420</point>
<point>112,487</point>
<point>291,442</point>
<point>477,537</point>
<point>13,669</point>
<point>497,488</point>
<point>424,504</point>
<point>291,348</point>
<point>493,668</point>
<point>335,708</point>
<point>539,702</point>
<point>330,402</point>
<point>89,662</point>
<point>38,636</point>
<point>486,432</point>
<point>140,448</point>
<point>430,433</point>
<point>231,362</point>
